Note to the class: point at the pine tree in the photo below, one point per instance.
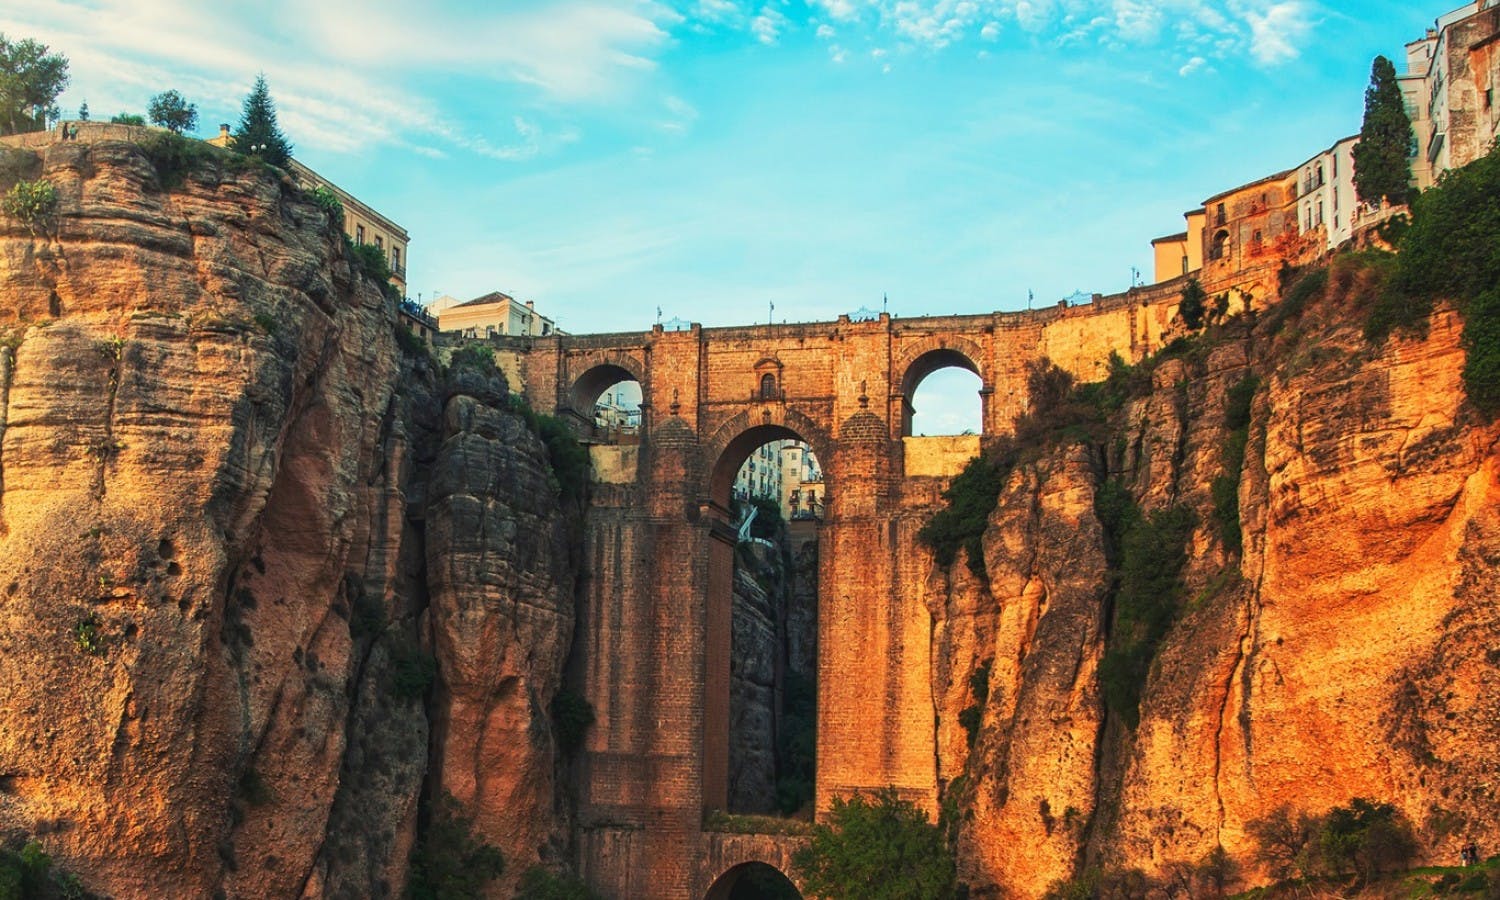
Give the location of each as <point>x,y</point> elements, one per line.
<point>83,111</point>
<point>1382,167</point>
<point>257,133</point>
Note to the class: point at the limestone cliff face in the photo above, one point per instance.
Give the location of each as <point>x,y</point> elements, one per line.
<point>217,478</point>
<point>1348,651</point>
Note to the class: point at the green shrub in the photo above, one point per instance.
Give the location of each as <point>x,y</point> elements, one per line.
<point>330,203</point>
<point>877,848</point>
<point>970,718</point>
<point>32,203</point>
<point>127,118</point>
<point>478,357</point>
<point>252,788</point>
<point>448,861</point>
<point>971,498</point>
<point>1366,838</point>
<point>1226,487</point>
<point>541,883</point>
<point>174,156</point>
<point>1482,344</point>
<point>1147,593</point>
<point>569,459</point>
<point>1193,304</point>
<point>572,714</point>
<point>28,874</point>
<point>413,669</point>
<point>369,260</point>
<point>796,742</point>
<point>87,637</point>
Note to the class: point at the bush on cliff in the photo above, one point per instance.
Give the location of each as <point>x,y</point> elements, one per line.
<point>541,883</point>
<point>28,874</point>
<point>448,861</point>
<point>1452,251</point>
<point>877,848</point>
<point>1148,553</point>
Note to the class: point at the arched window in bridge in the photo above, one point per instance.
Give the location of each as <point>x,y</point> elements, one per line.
<point>768,386</point>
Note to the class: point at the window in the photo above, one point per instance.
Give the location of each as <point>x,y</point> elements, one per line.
<point>396,258</point>
<point>1184,265</point>
<point>1320,212</point>
<point>379,242</point>
<point>767,386</point>
<point>359,234</point>
<point>1219,215</point>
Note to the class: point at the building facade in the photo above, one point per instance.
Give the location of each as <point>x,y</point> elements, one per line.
<point>1327,208</point>
<point>495,314</point>
<point>1449,89</point>
<point>1181,253</point>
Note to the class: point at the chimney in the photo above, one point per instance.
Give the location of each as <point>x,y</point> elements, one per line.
<point>531,304</point>
<point>223,129</point>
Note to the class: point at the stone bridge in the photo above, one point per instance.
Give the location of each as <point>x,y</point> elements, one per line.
<point>654,627</point>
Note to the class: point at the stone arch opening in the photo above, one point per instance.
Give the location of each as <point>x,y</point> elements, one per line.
<point>944,400</point>
<point>605,403</point>
<point>753,881</point>
<point>760,700</point>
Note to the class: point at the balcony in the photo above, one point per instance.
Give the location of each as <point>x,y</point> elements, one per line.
<point>398,272</point>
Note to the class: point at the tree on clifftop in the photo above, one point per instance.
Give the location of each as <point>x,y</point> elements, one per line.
<point>171,111</point>
<point>258,133</point>
<point>1382,167</point>
<point>30,80</point>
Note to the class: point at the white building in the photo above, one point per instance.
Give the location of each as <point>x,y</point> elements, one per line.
<point>787,473</point>
<point>1449,89</point>
<point>1325,193</point>
<point>493,314</point>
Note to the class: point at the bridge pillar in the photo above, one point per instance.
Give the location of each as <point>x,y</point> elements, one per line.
<point>875,714</point>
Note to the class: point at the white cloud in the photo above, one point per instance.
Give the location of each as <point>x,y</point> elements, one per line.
<point>990,31</point>
<point>1276,34</point>
<point>1192,65</point>
<point>837,54</point>
<point>825,32</point>
<point>840,10</point>
<point>767,26</point>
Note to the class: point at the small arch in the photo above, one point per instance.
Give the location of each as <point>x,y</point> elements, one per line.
<point>602,413</point>
<point>926,364</point>
<point>753,881</point>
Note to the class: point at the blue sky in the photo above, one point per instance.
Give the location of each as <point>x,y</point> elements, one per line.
<point>709,157</point>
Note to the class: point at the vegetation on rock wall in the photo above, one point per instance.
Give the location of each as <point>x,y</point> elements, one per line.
<point>28,874</point>
<point>877,848</point>
<point>796,743</point>
<point>448,861</point>
<point>572,714</point>
<point>1362,840</point>
<point>1147,553</point>
<point>541,883</point>
<point>1452,251</point>
<point>1226,487</point>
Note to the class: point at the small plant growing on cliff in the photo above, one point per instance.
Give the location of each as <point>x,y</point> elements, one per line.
<point>28,873</point>
<point>330,203</point>
<point>172,111</point>
<point>413,670</point>
<point>1226,487</point>
<point>1366,837</point>
<point>87,636</point>
<point>32,203</point>
<point>448,861</point>
<point>876,848</point>
<point>572,715</point>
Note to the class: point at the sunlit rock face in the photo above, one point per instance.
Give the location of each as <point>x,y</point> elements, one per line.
<point>1348,652</point>
<point>226,501</point>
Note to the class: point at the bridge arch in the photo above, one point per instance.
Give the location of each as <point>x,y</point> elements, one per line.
<point>753,881</point>
<point>593,381</point>
<point>928,356</point>
<point>734,440</point>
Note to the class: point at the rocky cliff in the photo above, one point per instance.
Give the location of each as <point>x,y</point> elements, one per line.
<point>266,577</point>
<point>1335,618</point>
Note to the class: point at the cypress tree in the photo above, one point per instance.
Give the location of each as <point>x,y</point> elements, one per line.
<point>258,133</point>
<point>1382,169</point>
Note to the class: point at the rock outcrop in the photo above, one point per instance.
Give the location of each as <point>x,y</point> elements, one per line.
<point>240,538</point>
<point>1346,652</point>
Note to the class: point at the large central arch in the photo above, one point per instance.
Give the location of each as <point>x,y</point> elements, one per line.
<point>731,445</point>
